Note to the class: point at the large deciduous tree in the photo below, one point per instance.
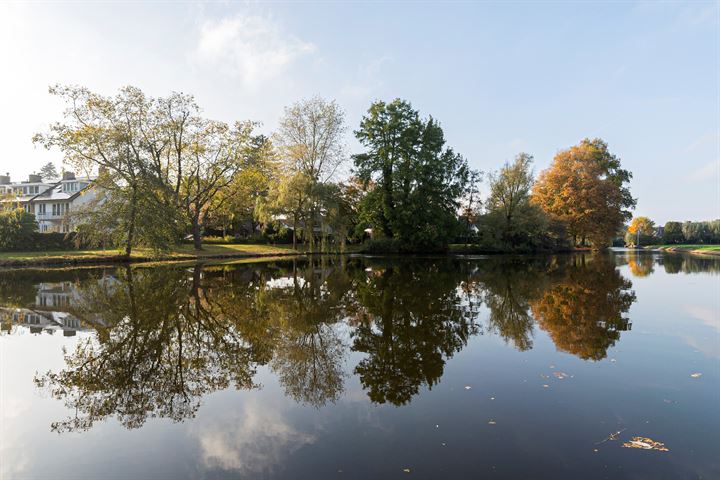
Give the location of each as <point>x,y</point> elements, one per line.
<point>120,137</point>
<point>160,164</point>
<point>310,139</point>
<point>419,179</point>
<point>586,188</point>
<point>512,221</point>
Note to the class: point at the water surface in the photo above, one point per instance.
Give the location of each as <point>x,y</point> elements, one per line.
<point>358,367</point>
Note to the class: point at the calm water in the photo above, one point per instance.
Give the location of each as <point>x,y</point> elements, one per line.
<point>364,368</point>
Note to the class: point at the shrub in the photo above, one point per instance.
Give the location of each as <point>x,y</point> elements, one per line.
<point>382,245</point>
<point>16,229</point>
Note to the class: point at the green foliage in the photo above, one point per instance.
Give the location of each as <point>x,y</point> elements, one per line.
<point>382,245</point>
<point>48,172</point>
<point>512,222</point>
<point>16,229</point>
<point>419,180</point>
<point>672,233</point>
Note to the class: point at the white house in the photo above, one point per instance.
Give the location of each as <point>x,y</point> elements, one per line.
<point>20,193</point>
<point>51,203</point>
<point>52,207</point>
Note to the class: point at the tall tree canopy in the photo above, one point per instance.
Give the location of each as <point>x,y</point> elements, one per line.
<point>310,139</point>
<point>160,164</point>
<point>419,179</point>
<point>586,188</point>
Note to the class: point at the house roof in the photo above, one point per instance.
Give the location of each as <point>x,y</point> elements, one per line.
<point>56,193</point>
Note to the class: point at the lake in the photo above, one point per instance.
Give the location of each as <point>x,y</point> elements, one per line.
<point>360,367</point>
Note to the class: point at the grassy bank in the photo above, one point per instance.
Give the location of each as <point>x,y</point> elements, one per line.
<point>696,249</point>
<point>181,252</point>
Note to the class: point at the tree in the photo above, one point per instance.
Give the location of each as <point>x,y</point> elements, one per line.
<point>236,205</point>
<point>420,179</point>
<point>123,139</point>
<point>641,231</point>
<point>16,228</point>
<point>48,172</point>
<point>311,141</point>
<point>512,221</point>
<point>585,188</point>
<point>287,199</point>
<point>470,203</point>
<point>672,233</point>
<point>388,132</point>
<point>208,167</point>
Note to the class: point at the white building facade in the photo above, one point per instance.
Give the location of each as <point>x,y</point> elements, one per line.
<point>51,203</point>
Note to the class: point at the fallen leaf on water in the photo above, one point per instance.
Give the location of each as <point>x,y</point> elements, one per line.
<point>696,375</point>
<point>644,443</point>
<point>491,422</point>
<point>467,387</point>
<point>546,386</point>
<point>406,470</point>
<point>560,375</point>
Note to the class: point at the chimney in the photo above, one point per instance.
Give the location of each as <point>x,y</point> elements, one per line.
<point>34,178</point>
<point>68,175</point>
<point>5,179</point>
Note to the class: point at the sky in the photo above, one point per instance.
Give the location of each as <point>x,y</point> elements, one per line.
<point>501,77</point>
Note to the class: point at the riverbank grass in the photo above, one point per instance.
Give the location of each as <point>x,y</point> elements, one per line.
<point>181,252</point>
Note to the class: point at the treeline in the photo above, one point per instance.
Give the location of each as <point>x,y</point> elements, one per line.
<point>643,231</point>
<point>166,173</point>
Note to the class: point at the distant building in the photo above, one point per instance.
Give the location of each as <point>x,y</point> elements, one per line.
<point>19,194</point>
<point>51,203</point>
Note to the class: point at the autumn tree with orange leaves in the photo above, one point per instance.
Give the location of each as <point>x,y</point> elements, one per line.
<point>586,189</point>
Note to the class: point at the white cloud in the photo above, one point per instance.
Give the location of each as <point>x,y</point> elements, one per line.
<point>252,48</point>
<point>367,79</point>
<point>257,440</point>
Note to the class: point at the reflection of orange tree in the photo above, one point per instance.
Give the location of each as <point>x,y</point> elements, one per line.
<point>641,265</point>
<point>583,311</point>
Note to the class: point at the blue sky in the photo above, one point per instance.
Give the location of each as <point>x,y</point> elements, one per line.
<point>501,77</point>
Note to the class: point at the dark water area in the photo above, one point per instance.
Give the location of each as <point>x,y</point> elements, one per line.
<point>545,367</point>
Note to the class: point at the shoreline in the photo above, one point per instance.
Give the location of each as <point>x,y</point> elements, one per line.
<point>691,251</point>
<point>92,258</point>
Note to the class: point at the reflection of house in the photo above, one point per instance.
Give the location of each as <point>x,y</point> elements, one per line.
<point>38,321</point>
<point>51,312</point>
<point>51,203</point>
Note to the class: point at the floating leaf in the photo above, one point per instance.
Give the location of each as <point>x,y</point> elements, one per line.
<point>645,443</point>
<point>696,375</point>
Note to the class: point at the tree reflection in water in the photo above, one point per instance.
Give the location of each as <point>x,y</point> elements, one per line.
<point>166,337</point>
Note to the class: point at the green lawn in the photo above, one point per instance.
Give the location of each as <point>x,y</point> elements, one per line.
<point>710,248</point>
<point>181,252</point>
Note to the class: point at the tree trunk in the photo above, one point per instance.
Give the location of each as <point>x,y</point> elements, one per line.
<point>197,237</point>
<point>387,199</point>
<point>295,222</point>
<point>131,226</point>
